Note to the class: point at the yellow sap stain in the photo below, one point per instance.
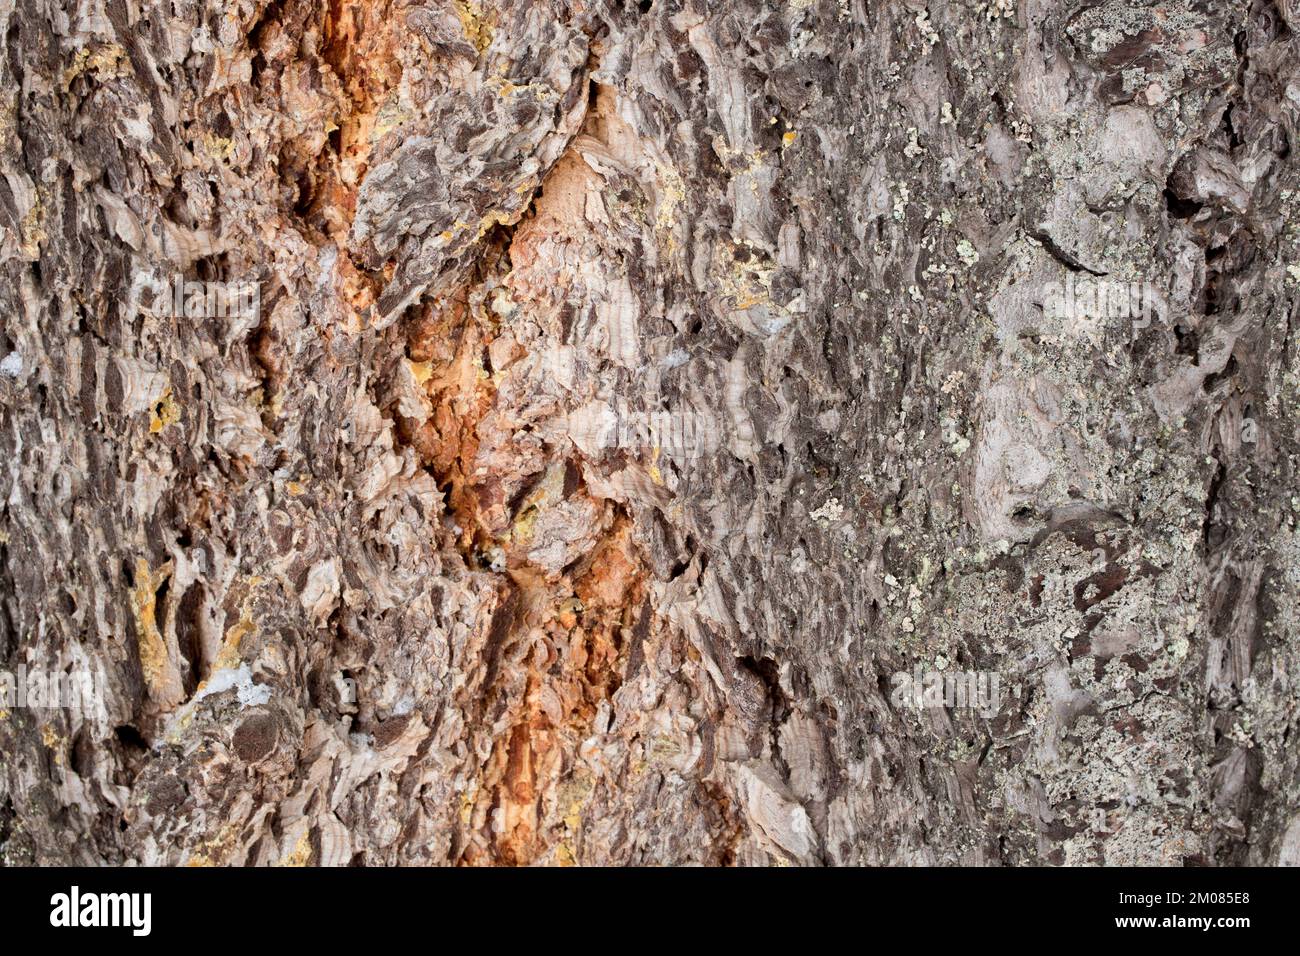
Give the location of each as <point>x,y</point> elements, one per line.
<point>301,855</point>
<point>151,649</point>
<point>164,412</point>
<point>477,27</point>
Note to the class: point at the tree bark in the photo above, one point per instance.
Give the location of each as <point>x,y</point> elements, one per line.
<point>640,407</point>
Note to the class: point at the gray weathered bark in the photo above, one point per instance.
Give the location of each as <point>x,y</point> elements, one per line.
<point>636,391</point>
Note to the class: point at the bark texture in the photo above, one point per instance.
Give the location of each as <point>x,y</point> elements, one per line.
<point>637,388</point>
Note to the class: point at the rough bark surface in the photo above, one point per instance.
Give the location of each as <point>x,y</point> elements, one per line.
<point>637,388</point>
